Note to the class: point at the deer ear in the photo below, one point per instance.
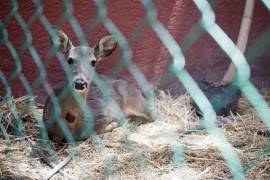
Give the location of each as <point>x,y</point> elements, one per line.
<point>63,41</point>
<point>105,47</point>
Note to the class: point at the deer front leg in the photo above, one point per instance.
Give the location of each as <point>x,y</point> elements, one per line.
<point>105,125</point>
<point>111,126</point>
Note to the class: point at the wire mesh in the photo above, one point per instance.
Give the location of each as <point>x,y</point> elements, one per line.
<point>206,24</point>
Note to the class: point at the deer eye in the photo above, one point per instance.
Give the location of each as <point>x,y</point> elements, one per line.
<point>70,60</point>
<point>93,63</point>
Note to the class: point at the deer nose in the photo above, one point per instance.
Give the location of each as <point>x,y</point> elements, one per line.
<point>80,84</point>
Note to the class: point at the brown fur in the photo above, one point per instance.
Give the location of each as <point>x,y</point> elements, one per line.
<point>128,97</point>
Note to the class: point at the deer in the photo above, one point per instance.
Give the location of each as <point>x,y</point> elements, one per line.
<point>82,61</point>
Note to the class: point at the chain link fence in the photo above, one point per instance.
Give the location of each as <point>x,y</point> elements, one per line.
<point>17,132</point>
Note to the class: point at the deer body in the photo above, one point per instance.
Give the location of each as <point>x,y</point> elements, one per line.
<point>83,61</point>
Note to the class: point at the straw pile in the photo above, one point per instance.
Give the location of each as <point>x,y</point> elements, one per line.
<point>143,151</point>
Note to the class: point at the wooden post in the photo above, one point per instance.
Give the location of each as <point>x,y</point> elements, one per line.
<point>242,38</point>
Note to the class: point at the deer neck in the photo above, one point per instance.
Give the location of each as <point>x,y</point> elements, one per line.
<point>71,108</point>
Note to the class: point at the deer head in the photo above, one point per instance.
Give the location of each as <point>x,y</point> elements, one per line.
<point>83,59</point>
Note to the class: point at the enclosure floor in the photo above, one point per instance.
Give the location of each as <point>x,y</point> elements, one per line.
<point>147,151</point>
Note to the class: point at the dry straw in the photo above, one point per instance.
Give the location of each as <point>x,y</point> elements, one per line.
<point>143,151</point>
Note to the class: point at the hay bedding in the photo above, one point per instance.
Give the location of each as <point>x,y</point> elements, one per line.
<point>143,151</point>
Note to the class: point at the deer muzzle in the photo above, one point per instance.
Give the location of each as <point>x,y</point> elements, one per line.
<point>80,85</point>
